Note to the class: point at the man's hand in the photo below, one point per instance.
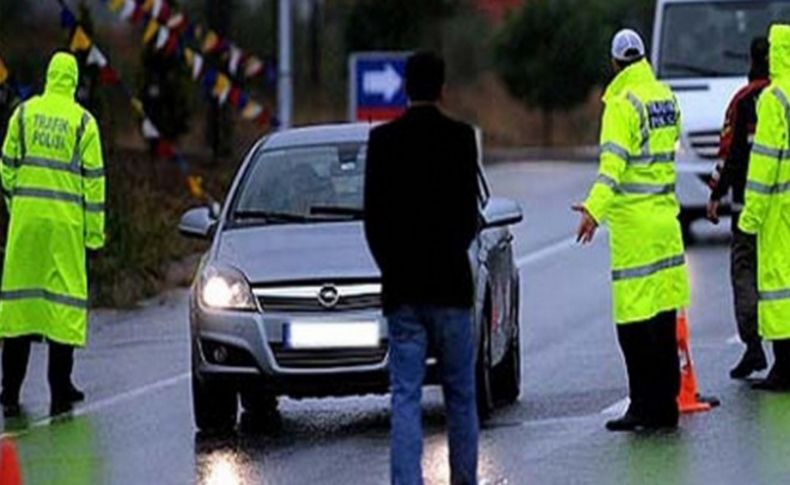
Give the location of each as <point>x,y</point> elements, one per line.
<point>713,211</point>
<point>587,225</point>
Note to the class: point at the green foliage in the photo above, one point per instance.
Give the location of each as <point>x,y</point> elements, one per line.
<point>551,53</point>
<point>396,24</point>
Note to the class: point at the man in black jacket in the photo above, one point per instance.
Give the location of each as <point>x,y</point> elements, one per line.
<point>421,216</point>
<point>730,173</point>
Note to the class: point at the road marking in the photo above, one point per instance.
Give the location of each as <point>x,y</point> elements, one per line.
<point>101,404</point>
<point>546,252</point>
<point>618,408</point>
<point>734,340</point>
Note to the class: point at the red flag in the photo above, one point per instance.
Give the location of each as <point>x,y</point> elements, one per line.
<point>164,13</point>
<point>171,45</point>
<point>234,96</point>
<point>263,119</point>
<point>137,15</point>
<point>164,149</point>
<point>109,76</point>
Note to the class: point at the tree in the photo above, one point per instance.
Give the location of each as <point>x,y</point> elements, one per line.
<point>552,53</point>
<point>396,24</point>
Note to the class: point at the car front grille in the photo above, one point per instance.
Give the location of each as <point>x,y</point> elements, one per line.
<point>312,359</point>
<point>314,298</point>
<point>705,144</point>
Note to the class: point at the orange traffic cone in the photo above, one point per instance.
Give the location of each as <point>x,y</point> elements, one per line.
<point>689,400</point>
<point>9,464</point>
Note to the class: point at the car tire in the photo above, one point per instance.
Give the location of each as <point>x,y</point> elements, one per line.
<point>485,395</point>
<point>214,404</point>
<point>257,402</point>
<point>508,372</point>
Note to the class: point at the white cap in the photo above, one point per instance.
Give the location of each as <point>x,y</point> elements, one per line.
<point>627,46</point>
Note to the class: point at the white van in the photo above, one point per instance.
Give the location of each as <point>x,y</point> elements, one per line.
<point>701,49</point>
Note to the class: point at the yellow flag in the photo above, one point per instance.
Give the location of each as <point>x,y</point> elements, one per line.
<point>195,184</point>
<point>189,56</point>
<point>3,73</point>
<point>211,41</point>
<point>116,5</point>
<point>150,31</point>
<point>80,41</point>
<point>137,106</point>
<point>221,87</point>
<point>252,110</point>
<point>147,5</point>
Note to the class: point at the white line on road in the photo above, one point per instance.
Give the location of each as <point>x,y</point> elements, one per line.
<point>546,252</point>
<point>618,408</point>
<point>104,403</point>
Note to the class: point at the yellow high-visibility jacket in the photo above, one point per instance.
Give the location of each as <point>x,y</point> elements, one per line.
<point>635,194</point>
<point>53,183</point>
<point>767,210</point>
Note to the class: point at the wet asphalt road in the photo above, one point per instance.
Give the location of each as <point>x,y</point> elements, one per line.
<point>136,426</point>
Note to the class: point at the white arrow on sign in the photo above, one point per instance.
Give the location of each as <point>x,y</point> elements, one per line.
<point>386,82</point>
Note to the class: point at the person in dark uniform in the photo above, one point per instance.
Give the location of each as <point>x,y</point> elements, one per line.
<point>730,176</point>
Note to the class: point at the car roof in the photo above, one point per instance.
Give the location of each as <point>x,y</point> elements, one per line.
<point>319,135</point>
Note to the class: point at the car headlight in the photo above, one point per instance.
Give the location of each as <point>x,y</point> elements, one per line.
<point>225,288</point>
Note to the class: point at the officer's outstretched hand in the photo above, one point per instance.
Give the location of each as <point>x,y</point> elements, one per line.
<point>587,225</point>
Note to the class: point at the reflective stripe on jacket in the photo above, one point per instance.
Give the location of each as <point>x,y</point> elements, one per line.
<point>53,183</point>
<point>635,194</point>
<point>767,211</point>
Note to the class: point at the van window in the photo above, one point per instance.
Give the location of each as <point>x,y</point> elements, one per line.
<point>712,39</point>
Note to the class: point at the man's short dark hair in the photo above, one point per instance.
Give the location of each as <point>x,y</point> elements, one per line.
<point>424,76</point>
<point>759,56</point>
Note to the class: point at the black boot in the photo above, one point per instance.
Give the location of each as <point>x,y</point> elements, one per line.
<point>11,407</point>
<point>778,379</point>
<point>627,422</point>
<point>753,360</point>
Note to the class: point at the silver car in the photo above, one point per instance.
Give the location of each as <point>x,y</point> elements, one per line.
<point>287,300</point>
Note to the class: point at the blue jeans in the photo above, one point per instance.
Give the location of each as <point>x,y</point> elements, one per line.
<point>450,332</point>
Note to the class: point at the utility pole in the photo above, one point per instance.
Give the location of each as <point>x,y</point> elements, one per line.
<point>284,73</point>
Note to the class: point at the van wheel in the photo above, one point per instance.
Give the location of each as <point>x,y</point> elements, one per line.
<point>485,395</point>
<point>214,404</point>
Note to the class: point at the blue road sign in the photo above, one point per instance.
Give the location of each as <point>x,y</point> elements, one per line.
<point>376,85</point>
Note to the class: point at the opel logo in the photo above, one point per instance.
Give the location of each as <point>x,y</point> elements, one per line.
<point>328,296</point>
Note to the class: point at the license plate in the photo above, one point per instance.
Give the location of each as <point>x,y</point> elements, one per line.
<point>331,335</point>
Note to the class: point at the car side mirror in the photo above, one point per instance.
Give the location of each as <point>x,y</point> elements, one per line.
<point>501,212</point>
<point>198,223</point>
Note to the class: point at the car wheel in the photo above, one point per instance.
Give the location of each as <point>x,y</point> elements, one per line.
<point>508,372</point>
<point>485,395</point>
<point>257,402</point>
<point>214,404</point>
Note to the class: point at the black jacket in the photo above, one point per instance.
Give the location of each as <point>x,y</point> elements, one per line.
<point>736,145</point>
<point>421,208</point>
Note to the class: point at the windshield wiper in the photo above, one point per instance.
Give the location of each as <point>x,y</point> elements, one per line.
<point>342,211</point>
<point>701,70</point>
<point>270,216</point>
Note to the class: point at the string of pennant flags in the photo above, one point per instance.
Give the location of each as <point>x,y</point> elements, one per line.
<point>169,31</point>
<point>81,42</point>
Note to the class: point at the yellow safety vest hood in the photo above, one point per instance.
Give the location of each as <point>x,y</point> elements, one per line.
<point>635,194</point>
<point>767,210</point>
<point>779,53</point>
<point>62,75</point>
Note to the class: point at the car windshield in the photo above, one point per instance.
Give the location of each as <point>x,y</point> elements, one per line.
<point>303,184</point>
<point>712,39</point>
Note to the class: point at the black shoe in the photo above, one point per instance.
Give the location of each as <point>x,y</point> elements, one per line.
<point>753,360</point>
<point>57,408</point>
<point>629,422</point>
<point>75,395</point>
<point>775,382</point>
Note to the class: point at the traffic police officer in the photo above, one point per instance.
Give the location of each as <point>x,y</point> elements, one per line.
<point>635,193</point>
<point>53,185</point>
<point>767,211</point>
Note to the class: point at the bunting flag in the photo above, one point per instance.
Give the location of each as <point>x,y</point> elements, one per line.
<point>162,37</point>
<point>235,58</point>
<point>80,40</point>
<point>96,58</point>
<point>3,73</point>
<point>150,31</point>
<point>221,88</point>
<point>253,66</point>
<point>252,111</point>
<point>127,12</point>
<point>211,42</point>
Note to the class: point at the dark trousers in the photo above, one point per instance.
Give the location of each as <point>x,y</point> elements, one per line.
<point>16,353</point>
<point>651,358</point>
<point>743,273</point>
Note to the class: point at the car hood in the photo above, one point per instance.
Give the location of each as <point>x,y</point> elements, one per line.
<point>298,252</point>
<point>703,102</point>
